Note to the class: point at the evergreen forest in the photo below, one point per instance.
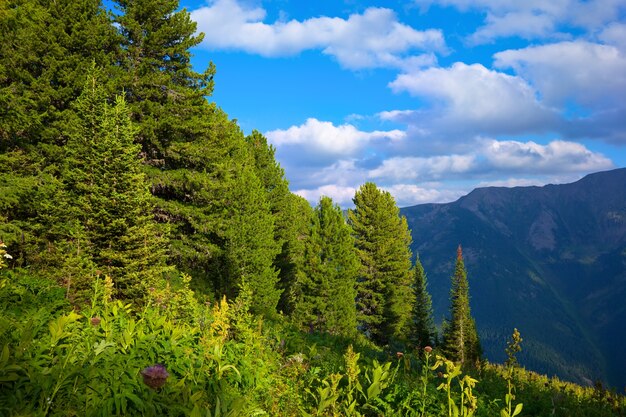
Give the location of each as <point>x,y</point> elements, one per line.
<point>153,261</point>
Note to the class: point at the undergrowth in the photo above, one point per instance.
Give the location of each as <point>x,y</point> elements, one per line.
<point>177,357</point>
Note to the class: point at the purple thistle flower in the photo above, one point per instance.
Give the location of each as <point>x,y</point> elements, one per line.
<point>155,376</point>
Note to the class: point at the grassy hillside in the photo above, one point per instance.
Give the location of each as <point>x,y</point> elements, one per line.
<point>180,357</point>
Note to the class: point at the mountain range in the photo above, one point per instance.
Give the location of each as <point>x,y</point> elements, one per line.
<point>549,261</point>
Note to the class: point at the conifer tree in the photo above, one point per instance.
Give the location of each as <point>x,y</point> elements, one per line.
<point>385,298</point>
<point>423,327</point>
<point>46,48</point>
<point>326,290</point>
<point>166,96</point>
<point>291,215</point>
<point>106,197</point>
<point>460,337</point>
<point>250,247</point>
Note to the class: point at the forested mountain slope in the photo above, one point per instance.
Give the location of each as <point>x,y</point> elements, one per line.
<point>549,260</point>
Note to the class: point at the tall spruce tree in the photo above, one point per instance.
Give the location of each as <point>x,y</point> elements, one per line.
<point>46,48</point>
<point>106,198</point>
<point>250,244</point>
<point>326,285</point>
<point>460,338</point>
<point>165,95</point>
<point>385,298</point>
<point>423,331</point>
<point>291,215</point>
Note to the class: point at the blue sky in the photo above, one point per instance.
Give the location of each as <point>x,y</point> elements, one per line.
<point>426,98</point>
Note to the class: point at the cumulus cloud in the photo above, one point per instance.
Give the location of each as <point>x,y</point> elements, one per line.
<point>529,157</point>
<point>614,34</point>
<point>527,25</point>
<point>407,195</point>
<point>422,169</point>
<point>472,99</point>
<point>340,194</point>
<point>591,74</point>
<point>322,141</point>
<point>535,19</point>
<point>372,39</point>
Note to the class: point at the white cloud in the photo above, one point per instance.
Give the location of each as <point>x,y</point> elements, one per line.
<point>422,169</point>
<point>414,179</point>
<point>535,19</point>
<point>472,99</point>
<point>405,194</point>
<point>319,137</point>
<point>614,34</point>
<point>524,24</point>
<point>372,39</point>
<point>593,75</point>
<point>529,157</point>
<point>340,195</point>
<point>410,195</point>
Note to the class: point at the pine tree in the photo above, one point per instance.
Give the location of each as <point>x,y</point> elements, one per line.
<point>106,196</point>
<point>46,48</point>
<point>385,298</point>
<point>461,342</point>
<point>250,247</point>
<point>291,215</point>
<point>166,96</point>
<point>326,285</point>
<point>423,331</point>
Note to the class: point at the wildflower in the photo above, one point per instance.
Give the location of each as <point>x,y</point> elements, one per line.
<point>428,349</point>
<point>155,376</point>
<point>95,321</point>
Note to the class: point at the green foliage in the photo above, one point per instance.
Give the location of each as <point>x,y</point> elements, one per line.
<point>49,46</point>
<point>384,299</point>
<point>467,401</point>
<point>222,360</point>
<point>98,197</point>
<point>166,97</point>
<point>325,287</point>
<point>291,215</point>
<point>105,207</point>
<point>512,348</point>
<point>460,339</point>
<point>423,332</point>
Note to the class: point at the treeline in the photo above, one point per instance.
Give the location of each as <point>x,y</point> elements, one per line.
<point>113,162</point>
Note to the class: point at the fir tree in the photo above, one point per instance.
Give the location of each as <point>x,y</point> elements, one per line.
<point>291,215</point>
<point>46,48</point>
<point>106,196</point>
<point>250,244</point>
<point>460,337</point>
<point>326,285</point>
<point>166,96</point>
<point>385,298</point>
<point>423,327</point>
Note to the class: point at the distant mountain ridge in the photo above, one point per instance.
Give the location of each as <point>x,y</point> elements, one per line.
<point>548,260</point>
